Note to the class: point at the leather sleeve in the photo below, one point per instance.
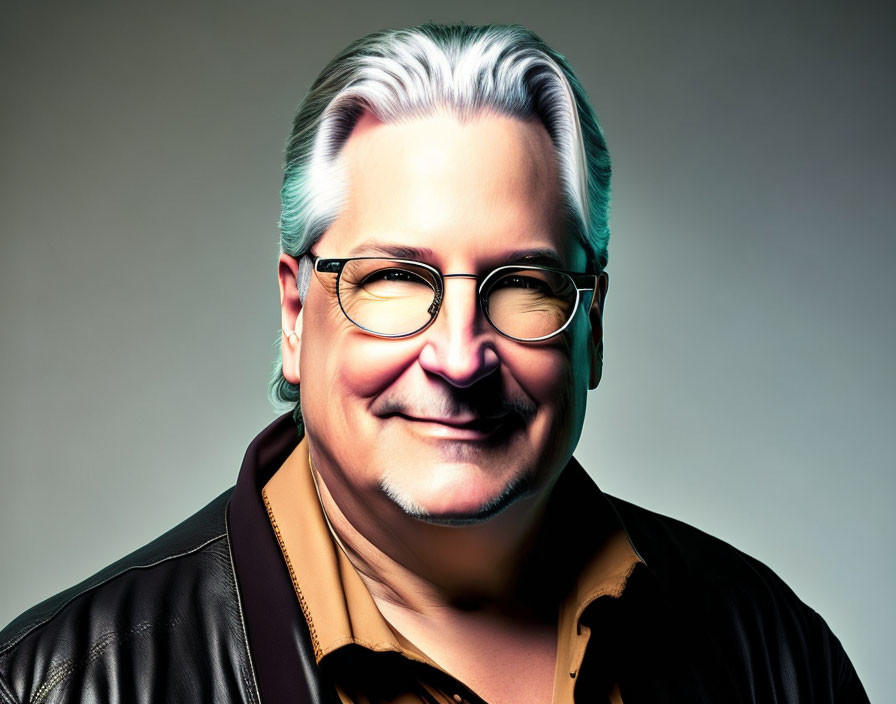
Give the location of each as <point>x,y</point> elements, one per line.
<point>162,625</point>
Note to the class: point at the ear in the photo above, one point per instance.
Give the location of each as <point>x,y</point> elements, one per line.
<point>290,317</point>
<point>596,314</point>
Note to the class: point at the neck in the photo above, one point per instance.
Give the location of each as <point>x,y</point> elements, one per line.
<point>414,566</point>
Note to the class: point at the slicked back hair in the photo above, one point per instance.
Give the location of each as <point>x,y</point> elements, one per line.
<point>409,73</point>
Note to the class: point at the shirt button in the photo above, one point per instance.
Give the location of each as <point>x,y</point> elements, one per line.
<point>458,698</point>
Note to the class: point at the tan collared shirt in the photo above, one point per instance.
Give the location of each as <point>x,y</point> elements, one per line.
<point>341,613</point>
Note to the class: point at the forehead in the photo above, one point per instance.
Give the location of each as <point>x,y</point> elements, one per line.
<point>469,191</point>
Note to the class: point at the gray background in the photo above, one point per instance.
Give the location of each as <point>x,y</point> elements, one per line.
<point>748,387</point>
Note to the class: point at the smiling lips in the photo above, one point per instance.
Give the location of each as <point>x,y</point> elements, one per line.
<point>456,427</point>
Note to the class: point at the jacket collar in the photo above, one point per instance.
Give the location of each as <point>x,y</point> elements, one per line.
<point>285,669</point>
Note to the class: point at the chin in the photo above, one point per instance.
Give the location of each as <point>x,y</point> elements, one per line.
<point>459,505</point>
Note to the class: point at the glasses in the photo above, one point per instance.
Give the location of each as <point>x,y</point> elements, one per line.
<point>397,298</point>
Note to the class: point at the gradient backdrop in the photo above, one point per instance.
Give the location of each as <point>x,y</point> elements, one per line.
<point>749,383</point>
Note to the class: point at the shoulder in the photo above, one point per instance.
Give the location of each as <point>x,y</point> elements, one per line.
<point>688,563</point>
<point>682,554</point>
<point>125,633</point>
<point>732,608</point>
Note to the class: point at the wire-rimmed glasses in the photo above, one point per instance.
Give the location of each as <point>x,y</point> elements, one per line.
<point>397,298</point>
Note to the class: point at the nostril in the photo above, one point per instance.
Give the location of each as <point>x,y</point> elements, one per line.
<point>461,365</point>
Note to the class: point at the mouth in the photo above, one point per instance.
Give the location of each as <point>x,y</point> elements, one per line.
<point>457,427</point>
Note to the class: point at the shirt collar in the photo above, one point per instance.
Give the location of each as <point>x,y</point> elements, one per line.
<point>339,610</point>
<point>335,603</point>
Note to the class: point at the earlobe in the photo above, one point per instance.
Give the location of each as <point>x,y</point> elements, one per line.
<point>291,351</point>
<point>290,318</point>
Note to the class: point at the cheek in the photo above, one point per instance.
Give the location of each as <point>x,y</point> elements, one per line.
<point>360,366</point>
<point>543,376</point>
<point>339,360</point>
<point>550,373</point>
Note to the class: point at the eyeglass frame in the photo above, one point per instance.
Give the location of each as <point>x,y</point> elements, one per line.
<point>336,266</point>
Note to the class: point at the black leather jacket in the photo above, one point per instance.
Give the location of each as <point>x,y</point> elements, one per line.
<point>206,613</point>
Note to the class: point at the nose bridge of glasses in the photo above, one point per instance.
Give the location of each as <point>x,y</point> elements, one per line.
<point>439,302</point>
<point>436,304</point>
<point>474,277</point>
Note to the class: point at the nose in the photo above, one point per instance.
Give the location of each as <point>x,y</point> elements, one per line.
<point>459,344</point>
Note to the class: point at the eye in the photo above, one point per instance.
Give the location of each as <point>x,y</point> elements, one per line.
<point>393,275</point>
<point>523,282</point>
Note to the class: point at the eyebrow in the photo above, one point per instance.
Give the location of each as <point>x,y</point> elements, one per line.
<point>392,250</point>
<point>542,255</point>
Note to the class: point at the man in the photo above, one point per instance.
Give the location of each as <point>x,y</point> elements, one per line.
<point>416,530</point>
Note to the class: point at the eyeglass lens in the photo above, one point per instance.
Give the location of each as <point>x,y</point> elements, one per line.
<point>393,298</point>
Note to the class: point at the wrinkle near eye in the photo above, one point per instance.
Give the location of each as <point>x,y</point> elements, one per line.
<point>334,310</point>
<point>328,283</point>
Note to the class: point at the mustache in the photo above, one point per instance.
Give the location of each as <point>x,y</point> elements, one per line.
<point>458,403</point>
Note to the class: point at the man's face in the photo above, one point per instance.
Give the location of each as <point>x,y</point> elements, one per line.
<point>455,422</point>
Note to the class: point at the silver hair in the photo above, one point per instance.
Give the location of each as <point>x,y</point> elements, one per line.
<point>407,73</point>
